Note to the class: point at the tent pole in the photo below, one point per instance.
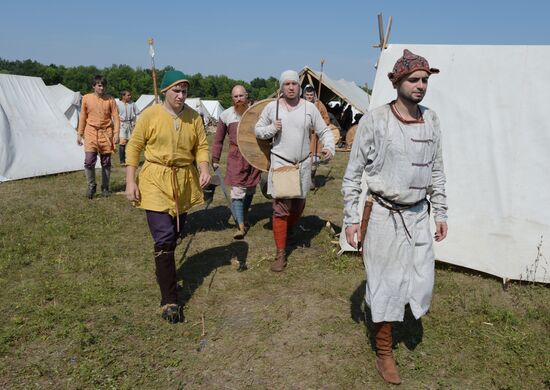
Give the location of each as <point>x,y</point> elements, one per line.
<point>154,73</point>
<point>320,79</point>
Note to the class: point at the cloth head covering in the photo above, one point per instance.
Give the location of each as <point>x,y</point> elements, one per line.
<point>408,64</point>
<point>289,75</point>
<point>171,78</point>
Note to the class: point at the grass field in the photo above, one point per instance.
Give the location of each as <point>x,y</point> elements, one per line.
<point>79,304</point>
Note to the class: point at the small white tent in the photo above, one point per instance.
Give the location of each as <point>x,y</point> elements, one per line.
<point>196,104</point>
<point>35,137</point>
<point>144,101</point>
<point>68,102</point>
<point>214,108</point>
<point>496,137</point>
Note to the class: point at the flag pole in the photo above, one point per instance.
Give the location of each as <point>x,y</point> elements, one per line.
<point>152,54</point>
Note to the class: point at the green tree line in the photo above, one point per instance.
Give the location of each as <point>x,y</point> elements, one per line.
<point>138,80</point>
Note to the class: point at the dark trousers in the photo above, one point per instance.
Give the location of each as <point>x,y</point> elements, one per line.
<point>90,159</point>
<point>163,229</point>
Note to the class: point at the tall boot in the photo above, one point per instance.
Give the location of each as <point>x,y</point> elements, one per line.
<point>165,270</point>
<point>239,216</point>
<point>279,233</point>
<point>385,363</point>
<point>246,207</point>
<point>90,178</point>
<point>280,261</point>
<point>105,179</point>
<point>122,154</point>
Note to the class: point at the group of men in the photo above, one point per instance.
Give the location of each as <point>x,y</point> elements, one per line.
<point>398,147</point>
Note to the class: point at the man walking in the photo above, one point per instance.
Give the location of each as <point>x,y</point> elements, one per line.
<point>95,130</point>
<point>310,95</point>
<point>288,121</point>
<point>173,138</point>
<point>127,112</point>
<point>398,146</point>
<point>240,175</point>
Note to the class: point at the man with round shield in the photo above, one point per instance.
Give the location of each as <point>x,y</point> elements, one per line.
<point>240,175</point>
<point>288,121</point>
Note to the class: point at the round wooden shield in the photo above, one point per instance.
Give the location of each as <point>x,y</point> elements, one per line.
<point>335,133</point>
<point>255,151</point>
<point>350,136</point>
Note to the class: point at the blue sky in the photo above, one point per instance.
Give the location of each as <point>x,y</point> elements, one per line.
<point>246,39</point>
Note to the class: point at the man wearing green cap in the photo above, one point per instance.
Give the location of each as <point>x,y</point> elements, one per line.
<point>173,138</point>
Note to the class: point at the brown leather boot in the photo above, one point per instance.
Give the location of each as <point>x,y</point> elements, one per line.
<point>385,363</point>
<point>241,232</point>
<point>280,261</point>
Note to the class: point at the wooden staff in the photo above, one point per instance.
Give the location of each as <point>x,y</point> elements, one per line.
<point>152,54</point>
<point>315,137</point>
<point>277,105</point>
<point>320,79</point>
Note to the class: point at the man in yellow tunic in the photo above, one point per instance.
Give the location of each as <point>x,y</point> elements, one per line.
<point>173,138</point>
<point>96,132</point>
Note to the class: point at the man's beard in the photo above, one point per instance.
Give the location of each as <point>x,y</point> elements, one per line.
<point>240,107</point>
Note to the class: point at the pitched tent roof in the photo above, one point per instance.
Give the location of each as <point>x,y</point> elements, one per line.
<point>68,101</point>
<point>144,101</point>
<point>495,149</point>
<point>214,107</point>
<point>35,137</point>
<point>331,89</point>
<point>196,104</point>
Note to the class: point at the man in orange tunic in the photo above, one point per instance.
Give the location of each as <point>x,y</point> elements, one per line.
<point>96,132</point>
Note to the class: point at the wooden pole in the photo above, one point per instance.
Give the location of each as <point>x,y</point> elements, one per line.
<point>277,105</point>
<point>380,30</point>
<point>152,54</point>
<point>320,79</point>
<point>387,35</point>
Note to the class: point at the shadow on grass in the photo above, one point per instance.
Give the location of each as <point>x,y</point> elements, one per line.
<point>196,268</point>
<point>219,218</point>
<point>409,332</point>
<point>322,180</point>
<point>212,219</point>
<point>301,235</point>
<point>304,232</point>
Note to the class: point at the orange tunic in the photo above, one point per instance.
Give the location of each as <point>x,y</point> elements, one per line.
<point>97,115</point>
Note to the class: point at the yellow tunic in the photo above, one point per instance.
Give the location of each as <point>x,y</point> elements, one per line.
<point>171,146</point>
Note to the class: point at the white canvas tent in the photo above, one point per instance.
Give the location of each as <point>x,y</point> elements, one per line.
<point>35,137</point>
<point>68,101</point>
<point>342,89</point>
<point>196,104</point>
<point>214,108</point>
<point>496,137</point>
<point>144,101</point>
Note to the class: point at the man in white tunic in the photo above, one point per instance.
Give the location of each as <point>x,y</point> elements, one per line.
<point>127,112</point>
<point>398,147</point>
<point>288,121</point>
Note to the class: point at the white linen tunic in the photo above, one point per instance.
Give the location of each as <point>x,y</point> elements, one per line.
<point>292,142</point>
<point>403,163</point>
